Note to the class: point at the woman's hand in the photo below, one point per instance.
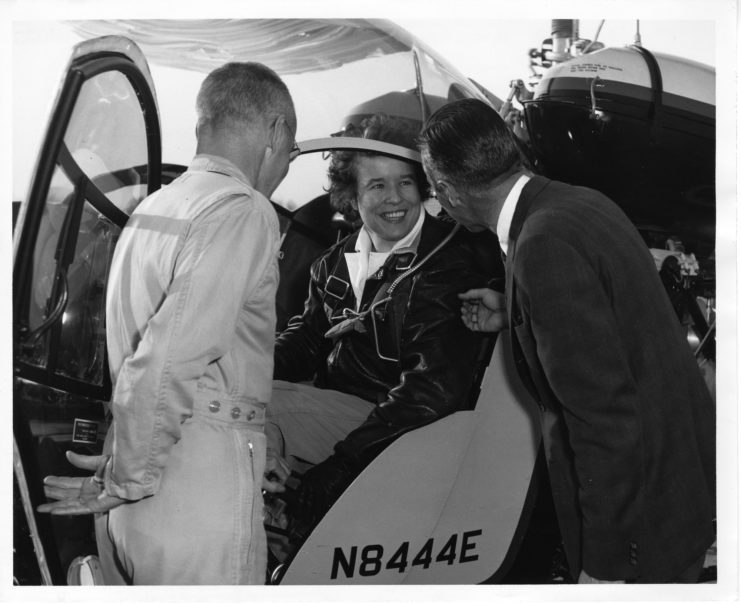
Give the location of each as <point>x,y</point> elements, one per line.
<point>276,473</point>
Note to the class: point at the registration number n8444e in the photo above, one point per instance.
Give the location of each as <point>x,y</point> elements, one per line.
<point>369,560</point>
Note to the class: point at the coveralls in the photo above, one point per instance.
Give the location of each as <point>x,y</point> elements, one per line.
<point>191,319</point>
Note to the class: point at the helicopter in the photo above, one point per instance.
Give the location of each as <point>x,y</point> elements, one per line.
<point>105,148</point>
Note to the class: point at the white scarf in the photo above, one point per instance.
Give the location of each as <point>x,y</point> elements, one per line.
<point>364,262</point>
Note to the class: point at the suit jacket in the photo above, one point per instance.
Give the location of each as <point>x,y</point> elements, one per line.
<point>628,422</point>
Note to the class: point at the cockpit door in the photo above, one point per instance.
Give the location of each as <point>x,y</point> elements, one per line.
<point>100,157</point>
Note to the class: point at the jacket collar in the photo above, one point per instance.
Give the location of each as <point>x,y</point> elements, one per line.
<point>205,162</point>
<point>508,208</point>
<point>433,231</point>
<point>525,206</point>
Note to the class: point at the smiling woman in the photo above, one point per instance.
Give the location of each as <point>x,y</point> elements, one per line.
<point>388,199</point>
<point>384,192</point>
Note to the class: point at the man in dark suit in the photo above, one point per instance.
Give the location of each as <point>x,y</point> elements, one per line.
<point>628,423</point>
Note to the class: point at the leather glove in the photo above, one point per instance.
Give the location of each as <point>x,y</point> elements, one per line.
<point>320,487</point>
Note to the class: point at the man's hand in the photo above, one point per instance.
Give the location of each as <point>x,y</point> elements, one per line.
<point>584,578</point>
<point>483,310</point>
<point>276,473</point>
<point>79,495</point>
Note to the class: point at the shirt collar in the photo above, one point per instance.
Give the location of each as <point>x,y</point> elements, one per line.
<point>410,241</point>
<point>508,212</point>
<point>216,163</point>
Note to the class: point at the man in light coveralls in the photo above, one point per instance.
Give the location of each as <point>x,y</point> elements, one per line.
<point>190,326</point>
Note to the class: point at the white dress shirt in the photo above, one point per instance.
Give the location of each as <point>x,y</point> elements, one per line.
<point>508,211</point>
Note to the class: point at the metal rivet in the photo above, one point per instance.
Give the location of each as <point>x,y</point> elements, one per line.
<point>236,412</point>
<point>214,406</point>
<point>251,415</point>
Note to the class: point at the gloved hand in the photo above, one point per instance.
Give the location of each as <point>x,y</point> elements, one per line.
<point>320,487</point>
<point>276,472</point>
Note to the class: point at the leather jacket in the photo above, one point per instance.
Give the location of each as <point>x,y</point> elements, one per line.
<point>427,358</point>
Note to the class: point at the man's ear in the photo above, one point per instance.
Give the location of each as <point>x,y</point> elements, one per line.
<point>279,131</point>
<point>272,137</point>
<point>273,133</point>
<point>448,189</point>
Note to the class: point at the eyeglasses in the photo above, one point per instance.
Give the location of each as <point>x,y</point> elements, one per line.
<point>295,150</point>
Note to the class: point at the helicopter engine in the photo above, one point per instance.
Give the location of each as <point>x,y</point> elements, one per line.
<point>639,127</point>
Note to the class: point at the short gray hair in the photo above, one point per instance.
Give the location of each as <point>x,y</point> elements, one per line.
<point>242,92</point>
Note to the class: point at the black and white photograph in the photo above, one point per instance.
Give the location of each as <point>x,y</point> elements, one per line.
<point>374,302</point>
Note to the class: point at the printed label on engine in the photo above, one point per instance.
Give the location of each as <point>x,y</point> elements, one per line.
<point>592,68</point>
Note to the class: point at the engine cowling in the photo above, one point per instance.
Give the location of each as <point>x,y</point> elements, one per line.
<point>638,126</point>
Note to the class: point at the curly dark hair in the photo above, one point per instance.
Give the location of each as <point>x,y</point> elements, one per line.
<point>342,170</point>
